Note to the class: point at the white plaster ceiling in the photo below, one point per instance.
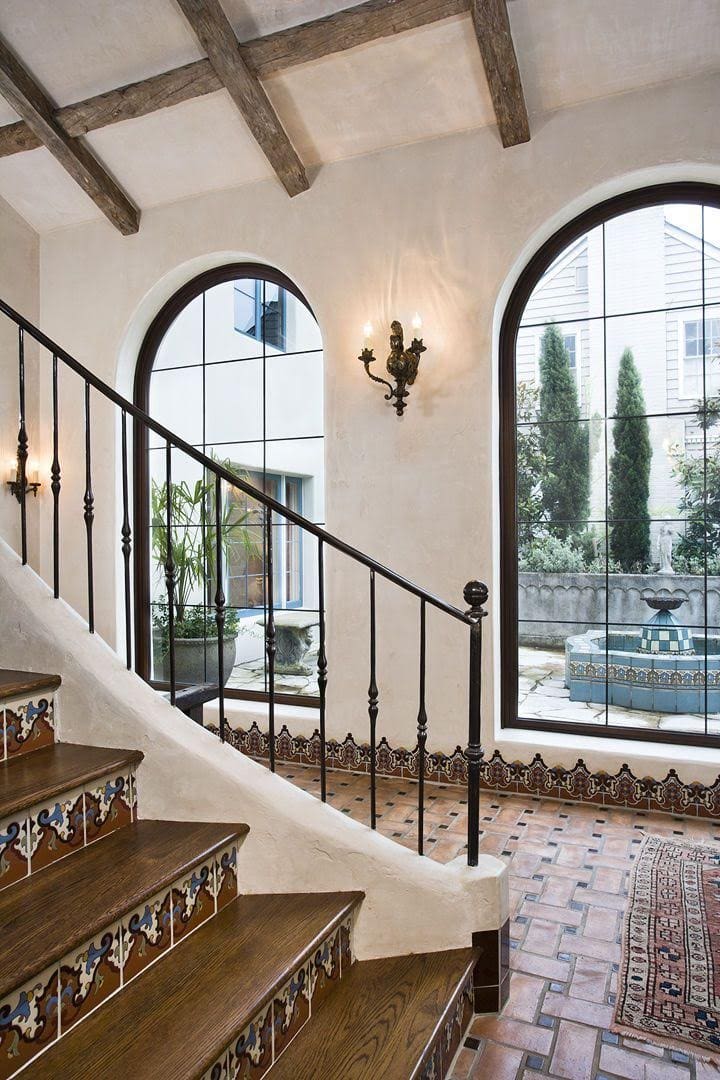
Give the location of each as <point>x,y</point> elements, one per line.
<point>418,85</point>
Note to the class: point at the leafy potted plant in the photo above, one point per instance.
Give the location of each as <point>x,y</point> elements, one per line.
<point>194,555</point>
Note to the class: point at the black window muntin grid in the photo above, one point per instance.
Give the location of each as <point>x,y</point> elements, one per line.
<point>142,588</point>
<point>686,193</point>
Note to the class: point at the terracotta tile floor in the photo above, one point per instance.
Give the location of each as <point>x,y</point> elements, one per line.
<point>569,868</point>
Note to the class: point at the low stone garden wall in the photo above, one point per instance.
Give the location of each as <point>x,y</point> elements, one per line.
<point>551,607</point>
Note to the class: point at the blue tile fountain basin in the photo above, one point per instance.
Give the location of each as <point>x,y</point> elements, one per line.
<point>602,667</point>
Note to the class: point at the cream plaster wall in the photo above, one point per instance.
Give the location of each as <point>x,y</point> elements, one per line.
<point>295,842</point>
<point>443,227</point>
<point>20,287</point>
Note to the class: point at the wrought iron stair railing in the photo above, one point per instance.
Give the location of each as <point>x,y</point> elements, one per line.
<point>475,592</point>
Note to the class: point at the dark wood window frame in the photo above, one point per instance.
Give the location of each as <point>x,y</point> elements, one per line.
<point>682,192</point>
<point>141,470</point>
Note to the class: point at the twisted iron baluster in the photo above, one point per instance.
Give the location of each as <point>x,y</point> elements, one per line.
<point>170,569</point>
<point>55,481</point>
<point>22,451</point>
<point>322,667</point>
<point>372,704</point>
<point>126,534</point>
<point>476,595</point>
<point>219,604</point>
<point>89,513</point>
<point>270,635</point>
<point>421,733</point>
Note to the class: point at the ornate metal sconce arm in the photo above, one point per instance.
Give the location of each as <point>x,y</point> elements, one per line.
<point>367,358</point>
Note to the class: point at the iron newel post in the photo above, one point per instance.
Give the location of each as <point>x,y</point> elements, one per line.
<point>476,595</point>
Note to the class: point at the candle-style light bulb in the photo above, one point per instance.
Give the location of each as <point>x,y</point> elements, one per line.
<point>34,472</point>
<point>12,469</point>
<point>367,333</point>
<point>416,324</point>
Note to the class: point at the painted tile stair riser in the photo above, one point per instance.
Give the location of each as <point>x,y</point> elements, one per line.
<point>41,835</point>
<point>51,1004</point>
<point>258,1046</point>
<point>27,724</point>
<point>671,795</point>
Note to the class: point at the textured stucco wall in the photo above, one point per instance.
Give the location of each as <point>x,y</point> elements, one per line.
<point>443,227</point>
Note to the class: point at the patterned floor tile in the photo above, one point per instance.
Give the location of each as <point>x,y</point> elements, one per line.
<point>569,867</point>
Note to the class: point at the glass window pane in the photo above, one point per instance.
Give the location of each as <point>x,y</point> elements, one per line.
<point>557,297</point>
<point>653,259</point>
<point>294,395</point>
<point>182,344</point>
<point>176,402</point>
<point>233,401</point>
<point>563,679</point>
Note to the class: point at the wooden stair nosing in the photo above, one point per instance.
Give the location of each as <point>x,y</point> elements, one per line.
<point>31,778</point>
<point>225,972</point>
<point>46,916</point>
<point>382,1020</point>
<point>14,683</point>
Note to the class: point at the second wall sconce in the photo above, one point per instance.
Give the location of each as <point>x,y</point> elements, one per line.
<point>32,482</point>
<point>402,363</point>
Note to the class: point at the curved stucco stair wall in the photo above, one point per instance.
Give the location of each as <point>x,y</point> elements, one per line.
<point>295,843</point>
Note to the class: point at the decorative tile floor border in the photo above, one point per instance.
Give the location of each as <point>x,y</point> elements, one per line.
<point>622,788</point>
<point>259,1045</point>
<point>40,1012</point>
<point>27,723</point>
<point>39,836</point>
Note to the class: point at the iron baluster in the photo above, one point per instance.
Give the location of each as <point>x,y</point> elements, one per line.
<point>476,594</point>
<point>421,733</point>
<point>170,569</point>
<point>322,668</point>
<point>126,534</point>
<point>372,704</point>
<point>55,481</point>
<point>22,450</point>
<point>270,635</point>
<point>89,513</point>
<point>219,604</point>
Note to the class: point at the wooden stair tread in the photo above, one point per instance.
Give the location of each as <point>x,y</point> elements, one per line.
<point>42,774</point>
<point>47,914</point>
<point>13,683</point>
<point>175,1019</point>
<point>380,1020</point>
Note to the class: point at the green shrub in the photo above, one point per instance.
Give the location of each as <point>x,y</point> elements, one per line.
<point>551,555</point>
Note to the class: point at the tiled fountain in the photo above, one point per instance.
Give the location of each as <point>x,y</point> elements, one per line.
<point>665,668</point>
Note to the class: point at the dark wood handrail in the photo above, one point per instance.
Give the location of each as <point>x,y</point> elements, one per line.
<point>226,474</point>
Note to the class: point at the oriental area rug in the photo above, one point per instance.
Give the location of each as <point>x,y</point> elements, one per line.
<point>669,984</point>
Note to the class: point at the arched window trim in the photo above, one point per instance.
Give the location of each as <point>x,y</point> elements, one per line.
<point>688,192</point>
<point>141,472</point>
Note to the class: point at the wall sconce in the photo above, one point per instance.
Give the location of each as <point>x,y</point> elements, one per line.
<point>402,363</point>
<point>31,484</point>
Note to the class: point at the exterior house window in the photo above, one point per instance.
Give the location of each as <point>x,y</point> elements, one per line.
<point>609,502</point>
<point>700,359</point>
<point>260,312</point>
<point>245,575</point>
<point>233,365</point>
<point>581,279</point>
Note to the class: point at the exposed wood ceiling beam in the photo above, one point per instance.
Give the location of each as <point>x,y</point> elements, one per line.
<point>492,27</point>
<point>217,38</point>
<point>27,98</point>
<point>346,29</point>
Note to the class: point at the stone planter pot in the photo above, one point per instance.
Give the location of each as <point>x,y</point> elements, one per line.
<point>191,666</point>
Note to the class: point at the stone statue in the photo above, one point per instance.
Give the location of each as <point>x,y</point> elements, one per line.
<point>664,549</point>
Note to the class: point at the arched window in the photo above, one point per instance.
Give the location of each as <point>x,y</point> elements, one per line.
<point>610,466</point>
<point>232,364</point>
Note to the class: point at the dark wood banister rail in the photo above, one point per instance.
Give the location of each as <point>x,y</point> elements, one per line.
<point>475,593</point>
<point>226,474</point>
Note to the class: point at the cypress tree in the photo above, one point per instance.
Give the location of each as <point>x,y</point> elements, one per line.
<point>630,472</point>
<point>564,440</point>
